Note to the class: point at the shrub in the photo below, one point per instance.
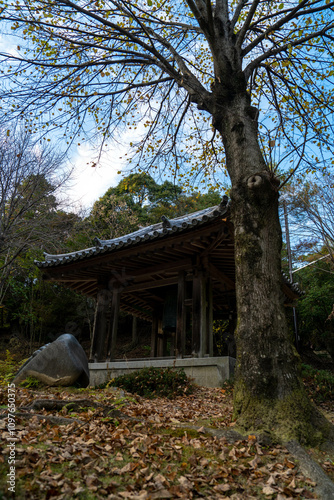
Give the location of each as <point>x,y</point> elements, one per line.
<point>153,382</point>
<point>31,383</point>
<point>320,383</point>
<point>8,368</point>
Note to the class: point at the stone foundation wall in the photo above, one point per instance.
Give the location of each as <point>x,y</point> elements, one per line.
<point>207,372</point>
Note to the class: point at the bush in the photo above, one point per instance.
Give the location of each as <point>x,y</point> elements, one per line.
<point>320,383</point>
<point>153,382</point>
<point>31,383</point>
<point>8,368</point>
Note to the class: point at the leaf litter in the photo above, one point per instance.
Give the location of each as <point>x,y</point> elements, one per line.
<point>119,446</point>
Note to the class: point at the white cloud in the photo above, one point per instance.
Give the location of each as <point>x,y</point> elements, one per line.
<point>89,183</point>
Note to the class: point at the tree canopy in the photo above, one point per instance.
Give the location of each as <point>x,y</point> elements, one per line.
<point>101,68</point>
<point>312,213</point>
<point>30,177</point>
<point>138,200</point>
<point>32,219</point>
<point>315,307</point>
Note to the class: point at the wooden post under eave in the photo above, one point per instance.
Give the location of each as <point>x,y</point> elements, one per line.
<point>181,316</point>
<point>134,330</point>
<point>113,325</point>
<point>154,335</point>
<point>161,342</point>
<point>209,318</point>
<point>100,324</point>
<point>199,314</point>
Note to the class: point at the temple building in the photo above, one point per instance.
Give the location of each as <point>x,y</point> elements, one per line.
<point>178,274</point>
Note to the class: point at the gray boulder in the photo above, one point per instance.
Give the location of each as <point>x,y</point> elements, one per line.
<point>62,362</point>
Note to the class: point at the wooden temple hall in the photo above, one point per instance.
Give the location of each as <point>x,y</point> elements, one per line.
<point>178,274</point>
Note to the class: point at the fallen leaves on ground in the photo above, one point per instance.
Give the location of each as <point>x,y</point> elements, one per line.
<point>149,450</point>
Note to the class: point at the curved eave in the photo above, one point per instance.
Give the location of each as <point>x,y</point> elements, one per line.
<point>291,290</point>
<point>151,233</point>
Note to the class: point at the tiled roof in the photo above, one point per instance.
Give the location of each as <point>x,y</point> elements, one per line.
<point>153,232</point>
<point>294,286</point>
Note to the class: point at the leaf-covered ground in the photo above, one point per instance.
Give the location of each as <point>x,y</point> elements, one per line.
<point>117,446</point>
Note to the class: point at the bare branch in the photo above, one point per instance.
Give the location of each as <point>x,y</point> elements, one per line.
<point>242,32</point>
<point>293,43</point>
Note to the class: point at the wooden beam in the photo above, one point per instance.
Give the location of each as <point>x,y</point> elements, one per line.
<point>161,339</point>
<point>199,314</point>
<point>85,288</point>
<point>113,325</point>
<point>221,276</point>
<point>181,315</point>
<point>136,308</point>
<point>129,310</point>
<point>154,335</point>
<point>127,279</point>
<point>145,285</point>
<point>100,323</point>
<point>134,330</point>
<point>221,236</point>
<point>171,266</point>
<point>209,318</point>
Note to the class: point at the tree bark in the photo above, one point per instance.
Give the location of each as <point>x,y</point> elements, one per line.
<point>269,395</point>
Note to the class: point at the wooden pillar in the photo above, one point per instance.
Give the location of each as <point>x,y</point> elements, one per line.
<point>113,325</point>
<point>199,314</point>
<point>172,344</point>
<point>157,347</point>
<point>134,330</point>
<point>181,316</point>
<point>154,335</point>
<point>209,318</point>
<point>161,344</point>
<point>163,350</point>
<point>100,323</point>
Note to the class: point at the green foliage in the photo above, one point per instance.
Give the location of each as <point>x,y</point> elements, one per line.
<point>30,221</point>
<point>184,203</point>
<point>154,382</point>
<point>137,201</point>
<point>220,332</point>
<point>316,305</point>
<point>31,383</point>
<point>138,188</point>
<point>320,383</point>
<point>133,202</point>
<point>40,310</point>
<point>115,215</point>
<point>8,369</point>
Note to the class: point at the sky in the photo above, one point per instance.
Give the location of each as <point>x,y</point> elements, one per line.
<point>89,183</point>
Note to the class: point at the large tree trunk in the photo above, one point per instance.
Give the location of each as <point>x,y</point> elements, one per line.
<point>269,396</point>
